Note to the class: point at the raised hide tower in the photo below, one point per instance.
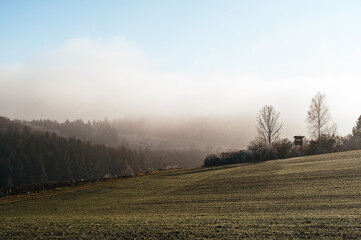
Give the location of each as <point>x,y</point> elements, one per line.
<point>298,140</point>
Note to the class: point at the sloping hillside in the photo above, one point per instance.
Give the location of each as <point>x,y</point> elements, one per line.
<point>308,197</point>
<point>31,155</point>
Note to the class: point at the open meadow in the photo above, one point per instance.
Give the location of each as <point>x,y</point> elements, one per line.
<point>307,197</point>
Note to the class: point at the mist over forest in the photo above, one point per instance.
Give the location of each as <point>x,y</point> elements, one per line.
<point>93,79</point>
<point>203,133</point>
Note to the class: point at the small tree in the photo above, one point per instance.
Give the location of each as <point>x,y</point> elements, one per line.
<point>319,117</point>
<point>268,126</point>
<point>354,140</point>
<point>356,130</point>
<point>282,148</point>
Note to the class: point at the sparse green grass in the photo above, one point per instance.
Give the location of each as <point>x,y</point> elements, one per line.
<point>310,197</point>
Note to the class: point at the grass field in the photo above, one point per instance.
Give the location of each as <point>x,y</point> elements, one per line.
<point>309,197</point>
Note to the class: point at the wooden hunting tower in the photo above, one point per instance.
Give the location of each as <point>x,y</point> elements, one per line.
<point>298,140</point>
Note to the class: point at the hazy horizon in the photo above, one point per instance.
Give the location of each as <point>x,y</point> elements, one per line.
<point>180,60</point>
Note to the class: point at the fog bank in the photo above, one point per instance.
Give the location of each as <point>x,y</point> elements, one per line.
<point>93,79</point>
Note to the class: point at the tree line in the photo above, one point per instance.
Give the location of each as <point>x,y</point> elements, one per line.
<point>29,156</point>
<point>98,132</point>
<point>268,146</point>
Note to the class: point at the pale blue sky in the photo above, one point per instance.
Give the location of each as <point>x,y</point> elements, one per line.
<point>188,35</point>
<point>246,53</point>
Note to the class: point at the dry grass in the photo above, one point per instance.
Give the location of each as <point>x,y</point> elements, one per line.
<point>308,197</point>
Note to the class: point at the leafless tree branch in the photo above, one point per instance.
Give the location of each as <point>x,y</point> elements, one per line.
<point>319,118</point>
<point>268,127</point>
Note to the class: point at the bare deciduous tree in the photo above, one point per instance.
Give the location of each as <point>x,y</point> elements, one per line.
<point>319,117</point>
<point>268,128</point>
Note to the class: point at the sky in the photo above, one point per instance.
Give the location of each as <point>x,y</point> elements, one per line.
<point>96,59</point>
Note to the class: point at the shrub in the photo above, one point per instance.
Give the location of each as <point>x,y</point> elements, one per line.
<point>224,158</point>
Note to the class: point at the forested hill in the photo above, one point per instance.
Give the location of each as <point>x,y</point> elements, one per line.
<point>209,134</point>
<point>30,156</point>
<point>101,132</point>
<point>42,157</point>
